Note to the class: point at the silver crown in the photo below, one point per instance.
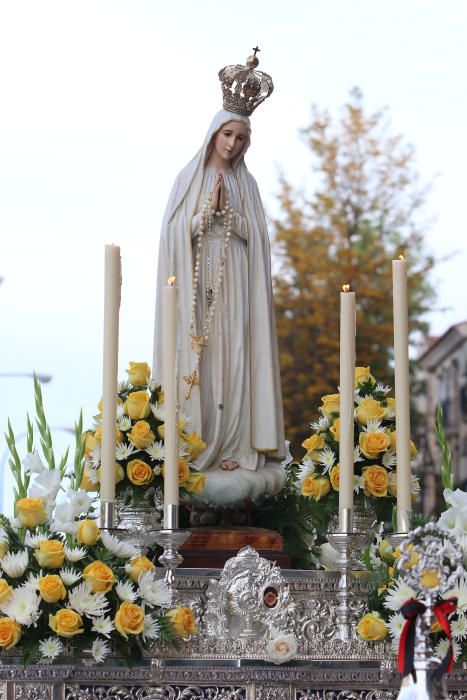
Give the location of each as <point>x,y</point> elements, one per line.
<point>243,87</point>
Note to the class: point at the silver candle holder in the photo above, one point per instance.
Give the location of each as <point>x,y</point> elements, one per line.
<point>171,538</point>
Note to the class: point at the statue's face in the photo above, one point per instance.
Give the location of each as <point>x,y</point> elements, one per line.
<point>230,140</point>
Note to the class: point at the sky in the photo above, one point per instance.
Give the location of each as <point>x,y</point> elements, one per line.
<point>103,102</point>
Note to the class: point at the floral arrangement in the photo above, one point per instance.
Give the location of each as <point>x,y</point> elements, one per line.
<point>375,448</point>
<point>139,463</point>
<point>67,587</point>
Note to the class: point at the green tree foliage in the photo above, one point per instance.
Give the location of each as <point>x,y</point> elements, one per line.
<point>365,210</point>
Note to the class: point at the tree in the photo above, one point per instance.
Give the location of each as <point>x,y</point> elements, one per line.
<point>365,210</point>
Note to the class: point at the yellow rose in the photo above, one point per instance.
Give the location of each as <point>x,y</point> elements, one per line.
<point>50,554</point>
<point>129,619</point>
<point>335,429</point>
<point>183,471</point>
<point>392,485</point>
<point>138,373</point>
<point>100,577</point>
<point>195,483</point>
<point>31,512</point>
<point>372,628</point>
<point>375,481</point>
<point>331,404</point>
<point>137,405</point>
<point>393,442</point>
<point>334,477</point>
<point>372,444</point>
<point>86,483</point>
<point>369,409</point>
<point>139,473</point>
<point>10,633</point>
<point>195,444</point>
<point>141,434</point>
<point>386,551</point>
<point>66,623</point>
<point>5,591</point>
<point>51,588</point>
<point>316,486</point>
<point>362,375</point>
<point>138,566</point>
<point>99,405</point>
<point>88,532</point>
<point>183,621</point>
<point>119,473</point>
<point>390,408</point>
<point>98,435</point>
<point>312,444</point>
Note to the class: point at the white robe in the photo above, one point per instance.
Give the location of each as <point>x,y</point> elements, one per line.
<point>237,409</point>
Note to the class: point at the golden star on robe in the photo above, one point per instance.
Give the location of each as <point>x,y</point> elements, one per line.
<point>192,380</point>
<point>198,342</point>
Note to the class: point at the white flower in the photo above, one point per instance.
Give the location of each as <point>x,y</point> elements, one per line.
<point>327,555</point>
<point>459,627</point>
<point>99,650</point>
<point>14,565</point>
<point>33,541</point>
<point>103,625</point>
<point>120,411</point>
<point>85,602</point>
<point>125,591</point>
<point>32,463</point>
<point>389,459</point>
<point>153,384</point>
<point>46,485</point>
<point>327,458</point>
<point>124,423</point>
<point>64,519</point>
<point>359,483</point>
<point>50,648</point>
<point>23,606</point>
<point>69,576</point>
<point>96,455</point>
<point>183,450</point>
<point>151,628</point>
<point>154,592</point>
<point>373,426</point>
<point>32,581</point>
<point>395,625</point>
<point>156,451</point>
<point>397,596</point>
<point>157,470</point>
<point>459,592</point>
<point>186,419</point>
<point>357,455</point>
<point>123,451</point>
<point>321,425</point>
<point>281,648</point>
<point>382,388</point>
<point>80,500</point>
<point>288,456</point>
<point>441,649</point>
<point>74,554</point>
<point>308,463</point>
<point>121,549</point>
<point>158,411</point>
<point>123,386</point>
<point>455,498</point>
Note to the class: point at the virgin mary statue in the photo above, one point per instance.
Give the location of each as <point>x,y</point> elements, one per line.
<point>214,240</point>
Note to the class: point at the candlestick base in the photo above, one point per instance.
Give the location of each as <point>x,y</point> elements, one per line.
<point>107,514</point>
<point>171,540</point>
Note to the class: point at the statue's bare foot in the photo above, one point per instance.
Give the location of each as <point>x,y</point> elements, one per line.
<point>229,465</point>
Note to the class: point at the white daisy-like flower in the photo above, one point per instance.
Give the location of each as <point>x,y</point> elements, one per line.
<point>152,628</point>
<point>308,463</point>
<point>357,455</point>
<point>96,456</point>
<point>80,501</point>
<point>389,459</point>
<point>33,541</point>
<point>321,425</point>
<point>50,648</point>
<point>123,386</point>
<point>124,423</point>
<point>74,554</point>
<point>154,592</point>
<point>398,595</point>
<point>69,576</point>
<point>120,411</point>
<point>158,411</point>
<point>187,420</point>
<point>100,650</point>
<point>32,463</point>
<point>32,581</point>
<point>156,451</point>
<point>373,426</point>
<point>327,458</point>
<point>459,592</point>
<point>85,602</point>
<point>125,591</point>
<point>395,625</point>
<point>358,483</point>
<point>382,388</point>
<point>103,625</point>
<point>153,384</point>
<point>123,451</point>
<point>459,627</point>
<point>23,606</point>
<point>14,565</point>
<point>121,549</point>
<point>441,649</point>
<point>157,470</point>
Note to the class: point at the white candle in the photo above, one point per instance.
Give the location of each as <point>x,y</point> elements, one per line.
<point>346,412</point>
<point>169,350</point>
<point>112,290</point>
<point>402,393</point>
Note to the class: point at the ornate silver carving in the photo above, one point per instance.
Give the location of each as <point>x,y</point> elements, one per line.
<point>249,599</point>
<point>165,692</point>
<point>138,524</point>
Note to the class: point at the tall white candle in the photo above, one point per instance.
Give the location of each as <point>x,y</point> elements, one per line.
<point>169,349</point>
<point>112,291</point>
<point>346,429</point>
<point>402,393</point>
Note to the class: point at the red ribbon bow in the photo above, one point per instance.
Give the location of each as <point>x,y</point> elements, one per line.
<point>410,610</point>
